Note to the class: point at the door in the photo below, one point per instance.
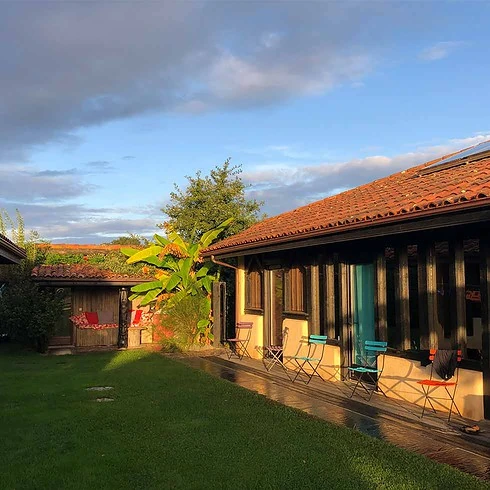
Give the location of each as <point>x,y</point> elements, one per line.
<point>362,309</point>
<point>273,312</point>
<point>63,333</point>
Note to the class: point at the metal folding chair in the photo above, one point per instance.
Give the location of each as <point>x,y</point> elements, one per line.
<point>446,365</point>
<point>312,361</point>
<point>239,343</point>
<point>273,354</point>
<point>369,372</point>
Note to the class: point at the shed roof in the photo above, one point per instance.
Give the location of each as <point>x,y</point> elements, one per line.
<point>85,273</point>
<point>413,193</point>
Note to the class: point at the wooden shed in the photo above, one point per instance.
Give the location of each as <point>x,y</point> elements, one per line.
<point>97,310</point>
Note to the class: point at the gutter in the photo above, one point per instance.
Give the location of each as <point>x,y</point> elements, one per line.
<point>224,264</point>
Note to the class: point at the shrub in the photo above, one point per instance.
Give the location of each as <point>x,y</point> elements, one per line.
<point>29,313</point>
<point>183,319</point>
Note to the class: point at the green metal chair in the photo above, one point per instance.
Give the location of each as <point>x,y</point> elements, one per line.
<point>371,368</point>
<point>312,360</point>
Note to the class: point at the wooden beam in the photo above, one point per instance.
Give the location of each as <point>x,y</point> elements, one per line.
<point>268,306</point>
<point>457,295</point>
<point>122,340</point>
<point>330,298</point>
<point>345,339</point>
<point>427,285</point>
<point>381,297</point>
<point>402,295</point>
<point>217,313</point>
<point>313,299</point>
<point>485,321</point>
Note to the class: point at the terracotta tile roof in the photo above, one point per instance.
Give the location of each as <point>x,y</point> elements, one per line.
<point>81,272</point>
<point>75,247</point>
<point>403,195</point>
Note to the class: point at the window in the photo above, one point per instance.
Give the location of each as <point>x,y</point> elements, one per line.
<point>253,287</point>
<point>295,290</point>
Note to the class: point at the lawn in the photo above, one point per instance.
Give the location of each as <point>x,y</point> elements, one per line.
<point>172,427</point>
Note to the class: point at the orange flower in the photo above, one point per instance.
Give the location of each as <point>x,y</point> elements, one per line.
<point>145,269</point>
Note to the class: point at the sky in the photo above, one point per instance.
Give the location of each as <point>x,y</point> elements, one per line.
<point>105,106</point>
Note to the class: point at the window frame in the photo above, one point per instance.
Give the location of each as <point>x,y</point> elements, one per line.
<point>296,294</point>
<point>254,287</point>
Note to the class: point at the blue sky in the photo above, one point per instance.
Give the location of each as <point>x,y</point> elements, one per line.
<point>105,105</point>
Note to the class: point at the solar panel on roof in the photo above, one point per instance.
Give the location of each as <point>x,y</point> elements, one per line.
<point>480,148</point>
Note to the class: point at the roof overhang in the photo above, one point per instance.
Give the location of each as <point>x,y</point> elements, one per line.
<point>70,282</point>
<point>9,252</point>
<point>465,214</point>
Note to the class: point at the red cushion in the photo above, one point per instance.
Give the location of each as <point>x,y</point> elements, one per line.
<point>92,317</point>
<point>137,316</point>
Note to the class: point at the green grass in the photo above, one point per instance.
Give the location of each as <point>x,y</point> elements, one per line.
<point>173,427</point>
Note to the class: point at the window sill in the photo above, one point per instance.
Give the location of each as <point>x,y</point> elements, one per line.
<point>423,357</point>
<point>298,315</point>
<point>254,311</point>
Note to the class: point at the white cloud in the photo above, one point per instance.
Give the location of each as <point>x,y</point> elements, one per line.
<point>232,79</point>
<point>440,50</point>
<point>285,187</point>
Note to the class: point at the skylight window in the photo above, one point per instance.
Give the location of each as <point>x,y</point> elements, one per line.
<point>472,154</point>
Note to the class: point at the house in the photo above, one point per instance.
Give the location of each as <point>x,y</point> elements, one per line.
<point>9,252</point>
<point>405,259</point>
<point>96,282</point>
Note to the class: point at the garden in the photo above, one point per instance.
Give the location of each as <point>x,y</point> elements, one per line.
<point>135,419</point>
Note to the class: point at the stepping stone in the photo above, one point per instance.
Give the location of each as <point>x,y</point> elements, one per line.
<point>104,399</point>
<point>100,388</point>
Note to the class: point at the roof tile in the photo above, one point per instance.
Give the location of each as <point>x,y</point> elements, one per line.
<point>80,271</point>
<point>399,195</point>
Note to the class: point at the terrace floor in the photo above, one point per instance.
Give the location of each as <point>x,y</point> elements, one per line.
<point>396,422</point>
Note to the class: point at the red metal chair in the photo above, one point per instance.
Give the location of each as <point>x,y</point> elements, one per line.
<point>273,354</point>
<point>239,343</point>
<point>445,363</point>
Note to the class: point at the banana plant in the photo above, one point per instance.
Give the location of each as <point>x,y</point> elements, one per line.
<point>181,269</point>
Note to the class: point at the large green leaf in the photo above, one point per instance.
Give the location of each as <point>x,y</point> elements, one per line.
<point>173,281</point>
<point>206,283</point>
<point>129,252</point>
<point>202,271</point>
<point>176,239</point>
<point>149,297</point>
<point>161,240</point>
<point>153,260</point>
<point>142,288</point>
<point>185,266</point>
<point>142,255</point>
<point>211,235</point>
<point>170,262</point>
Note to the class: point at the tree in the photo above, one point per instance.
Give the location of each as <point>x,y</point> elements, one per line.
<point>130,239</point>
<point>209,200</point>
<point>28,312</point>
<point>15,231</point>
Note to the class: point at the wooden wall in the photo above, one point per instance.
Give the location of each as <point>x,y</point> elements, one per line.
<point>95,299</point>
<point>89,337</point>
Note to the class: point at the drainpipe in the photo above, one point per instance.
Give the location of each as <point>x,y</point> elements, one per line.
<point>218,262</point>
